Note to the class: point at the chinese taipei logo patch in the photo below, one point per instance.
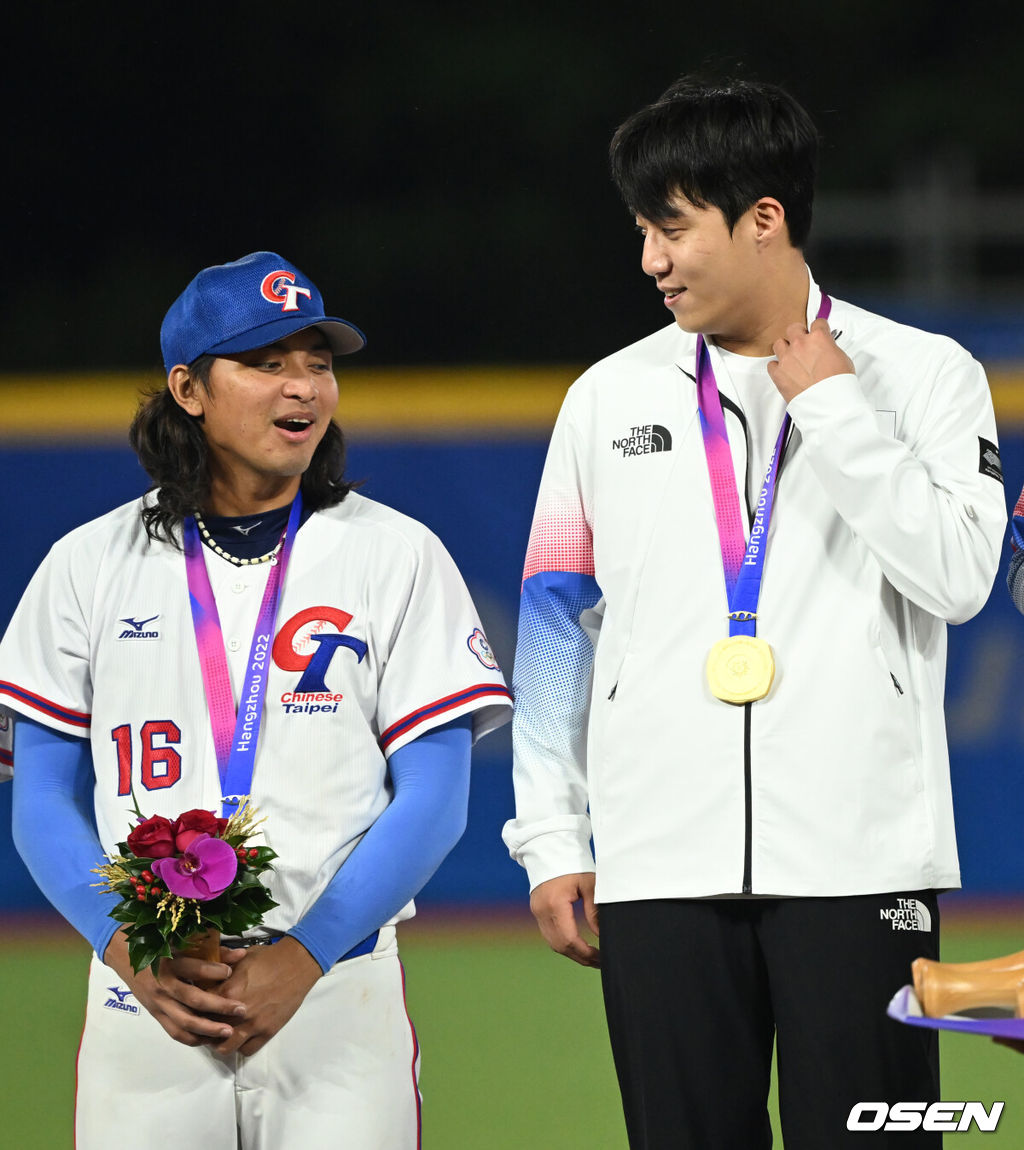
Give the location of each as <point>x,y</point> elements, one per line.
<point>307,644</point>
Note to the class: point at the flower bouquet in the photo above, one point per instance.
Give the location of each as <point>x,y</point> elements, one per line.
<point>184,883</point>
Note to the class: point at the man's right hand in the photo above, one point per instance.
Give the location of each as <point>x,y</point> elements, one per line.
<point>553,905</point>
<point>183,1010</point>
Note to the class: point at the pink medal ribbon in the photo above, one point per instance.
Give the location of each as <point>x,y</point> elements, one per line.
<point>742,559</point>
<point>235,731</point>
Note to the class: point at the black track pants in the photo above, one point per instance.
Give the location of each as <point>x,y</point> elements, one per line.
<point>696,989</point>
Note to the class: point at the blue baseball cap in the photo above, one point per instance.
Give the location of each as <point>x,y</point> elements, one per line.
<point>249,303</point>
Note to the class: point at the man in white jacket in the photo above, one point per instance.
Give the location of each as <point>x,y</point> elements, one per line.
<point>752,529</point>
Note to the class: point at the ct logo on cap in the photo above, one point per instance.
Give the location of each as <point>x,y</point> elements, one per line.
<point>279,287</point>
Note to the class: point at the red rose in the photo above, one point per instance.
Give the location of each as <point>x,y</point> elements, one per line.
<point>153,838</point>
<point>193,823</point>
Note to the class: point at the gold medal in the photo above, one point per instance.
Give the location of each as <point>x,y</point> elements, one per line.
<point>740,669</point>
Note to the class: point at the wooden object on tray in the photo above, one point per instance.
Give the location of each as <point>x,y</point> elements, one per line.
<point>949,987</point>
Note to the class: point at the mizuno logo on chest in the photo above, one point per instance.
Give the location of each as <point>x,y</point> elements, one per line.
<point>137,628</point>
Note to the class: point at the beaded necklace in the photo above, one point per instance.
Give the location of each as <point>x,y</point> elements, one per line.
<point>209,541</point>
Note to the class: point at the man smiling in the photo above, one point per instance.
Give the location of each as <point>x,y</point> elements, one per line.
<point>291,641</point>
<point>752,529</point>
<point>261,439</point>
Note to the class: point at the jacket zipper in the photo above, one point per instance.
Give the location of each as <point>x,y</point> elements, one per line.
<point>748,812</point>
<point>748,785</point>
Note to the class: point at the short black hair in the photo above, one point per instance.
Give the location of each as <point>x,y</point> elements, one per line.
<point>723,144</point>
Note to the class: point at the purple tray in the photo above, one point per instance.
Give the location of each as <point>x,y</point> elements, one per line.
<point>905,1008</point>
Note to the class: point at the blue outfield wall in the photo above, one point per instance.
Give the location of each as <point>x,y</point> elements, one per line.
<point>479,497</point>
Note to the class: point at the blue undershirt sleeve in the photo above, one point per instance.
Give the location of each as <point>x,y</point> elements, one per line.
<point>55,828</point>
<point>403,848</point>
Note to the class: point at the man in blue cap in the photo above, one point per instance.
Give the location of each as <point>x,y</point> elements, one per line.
<point>338,678</point>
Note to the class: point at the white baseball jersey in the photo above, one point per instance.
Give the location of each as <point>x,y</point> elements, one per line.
<point>102,645</point>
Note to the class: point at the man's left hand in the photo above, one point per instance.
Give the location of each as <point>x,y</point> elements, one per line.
<point>804,358</point>
<point>272,982</point>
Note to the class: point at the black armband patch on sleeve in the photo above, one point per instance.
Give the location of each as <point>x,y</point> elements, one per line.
<point>990,465</point>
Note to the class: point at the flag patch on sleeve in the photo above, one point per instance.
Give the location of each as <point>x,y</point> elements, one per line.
<point>990,463</point>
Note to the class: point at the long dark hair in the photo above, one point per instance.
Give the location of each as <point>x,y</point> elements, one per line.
<point>171,446</point>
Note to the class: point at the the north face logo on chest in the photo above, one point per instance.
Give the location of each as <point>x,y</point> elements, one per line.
<point>646,439</point>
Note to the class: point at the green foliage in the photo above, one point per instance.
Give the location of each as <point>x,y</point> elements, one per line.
<point>145,945</point>
<point>161,924</point>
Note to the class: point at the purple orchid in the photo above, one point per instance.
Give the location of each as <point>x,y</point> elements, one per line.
<point>204,870</point>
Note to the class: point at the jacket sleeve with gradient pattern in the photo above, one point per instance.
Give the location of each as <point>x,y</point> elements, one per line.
<point>550,835</point>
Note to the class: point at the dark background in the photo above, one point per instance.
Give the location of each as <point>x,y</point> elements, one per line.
<point>439,169</point>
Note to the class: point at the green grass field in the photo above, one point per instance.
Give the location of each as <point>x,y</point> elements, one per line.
<point>515,1053</point>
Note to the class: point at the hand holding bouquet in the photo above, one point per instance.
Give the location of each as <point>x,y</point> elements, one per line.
<point>185,881</point>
